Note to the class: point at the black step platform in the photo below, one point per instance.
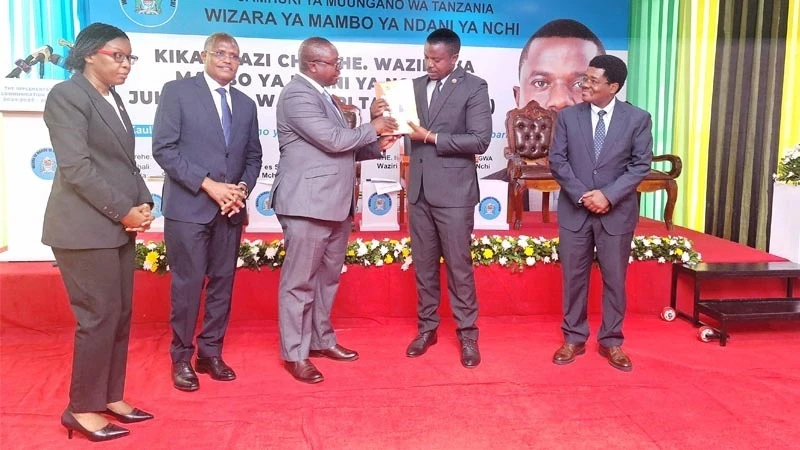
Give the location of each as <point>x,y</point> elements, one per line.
<point>726,311</point>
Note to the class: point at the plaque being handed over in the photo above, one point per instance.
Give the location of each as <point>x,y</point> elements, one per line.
<point>399,94</point>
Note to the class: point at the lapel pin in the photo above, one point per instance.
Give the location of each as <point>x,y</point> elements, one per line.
<point>453,80</point>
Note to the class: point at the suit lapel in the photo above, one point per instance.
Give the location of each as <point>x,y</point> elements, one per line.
<point>452,83</point>
<point>615,127</point>
<point>237,126</point>
<point>204,97</point>
<point>110,117</point>
<point>333,112</point>
<point>421,96</point>
<point>585,125</point>
<point>129,136</point>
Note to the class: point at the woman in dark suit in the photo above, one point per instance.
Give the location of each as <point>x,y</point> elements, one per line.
<point>97,204</point>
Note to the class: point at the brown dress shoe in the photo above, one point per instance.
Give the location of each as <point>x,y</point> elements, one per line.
<point>336,353</point>
<point>303,371</point>
<point>567,353</point>
<point>420,344</point>
<point>616,357</point>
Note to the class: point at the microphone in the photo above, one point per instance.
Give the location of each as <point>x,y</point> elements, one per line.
<point>58,60</point>
<point>64,43</point>
<point>39,55</point>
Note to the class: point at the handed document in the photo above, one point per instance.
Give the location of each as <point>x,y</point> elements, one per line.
<point>385,185</point>
<point>399,94</point>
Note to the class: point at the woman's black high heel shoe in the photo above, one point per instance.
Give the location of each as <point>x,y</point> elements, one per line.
<point>108,432</point>
<point>137,415</point>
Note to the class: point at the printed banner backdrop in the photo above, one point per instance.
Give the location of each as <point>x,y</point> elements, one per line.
<point>379,39</point>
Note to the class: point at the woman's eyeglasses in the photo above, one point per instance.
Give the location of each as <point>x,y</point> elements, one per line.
<point>119,56</point>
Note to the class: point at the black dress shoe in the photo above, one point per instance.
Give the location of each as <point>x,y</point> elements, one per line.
<point>336,353</point>
<point>183,377</point>
<point>470,354</point>
<point>137,415</point>
<point>420,344</point>
<point>215,367</point>
<point>107,433</point>
<point>304,371</point>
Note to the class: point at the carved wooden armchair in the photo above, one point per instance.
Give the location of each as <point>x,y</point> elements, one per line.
<point>530,134</point>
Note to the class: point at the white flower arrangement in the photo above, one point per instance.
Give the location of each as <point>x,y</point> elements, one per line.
<point>513,252</point>
<point>789,167</point>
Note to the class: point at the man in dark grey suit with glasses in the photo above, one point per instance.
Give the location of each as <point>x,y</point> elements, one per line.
<point>601,151</point>
<point>205,137</point>
<point>313,199</point>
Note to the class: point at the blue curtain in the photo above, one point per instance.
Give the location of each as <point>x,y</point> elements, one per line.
<point>35,23</point>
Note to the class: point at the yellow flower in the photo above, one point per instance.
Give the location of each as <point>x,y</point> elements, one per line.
<point>154,267</point>
<point>679,251</point>
<point>472,255</point>
<point>388,259</point>
<point>547,244</point>
<point>405,252</point>
<point>282,253</point>
<point>151,257</point>
<point>528,251</point>
<point>351,252</point>
<point>488,253</point>
<point>394,241</point>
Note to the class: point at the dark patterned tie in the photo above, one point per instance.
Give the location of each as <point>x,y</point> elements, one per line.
<point>333,103</point>
<point>226,115</point>
<point>599,134</point>
<point>435,93</point>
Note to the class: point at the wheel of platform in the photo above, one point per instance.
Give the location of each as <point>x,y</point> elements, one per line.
<point>707,334</point>
<point>668,314</point>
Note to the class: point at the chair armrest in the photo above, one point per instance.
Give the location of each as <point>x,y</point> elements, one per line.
<point>676,166</point>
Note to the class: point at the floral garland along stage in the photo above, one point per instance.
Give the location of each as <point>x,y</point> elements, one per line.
<point>508,251</point>
<point>789,167</point>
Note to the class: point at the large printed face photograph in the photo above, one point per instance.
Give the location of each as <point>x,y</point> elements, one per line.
<point>553,62</point>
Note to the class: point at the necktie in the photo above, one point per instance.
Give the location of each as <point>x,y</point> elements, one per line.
<point>226,115</point>
<point>435,94</point>
<point>333,103</point>
<point>599,134</point>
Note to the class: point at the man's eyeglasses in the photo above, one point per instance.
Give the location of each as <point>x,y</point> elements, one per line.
<point>592,81</point>
<point>221,55</point>
<point>337,64</point>
<point>119,56</point>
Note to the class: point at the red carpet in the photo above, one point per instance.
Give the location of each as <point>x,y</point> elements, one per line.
<point>681,394</point>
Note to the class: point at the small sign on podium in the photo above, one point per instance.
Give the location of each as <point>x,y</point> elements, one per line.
<point>491,212</point>
<point>379,207</point>
<point>262,218</point>
<point>156,185</point>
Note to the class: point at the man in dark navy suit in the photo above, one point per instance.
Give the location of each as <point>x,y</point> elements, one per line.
<point>205,137</point>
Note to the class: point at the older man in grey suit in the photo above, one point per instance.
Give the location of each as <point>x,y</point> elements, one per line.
<point>205,137</point>
<point>313,199</point>
<point>598,172</point>
<point>455,125</point>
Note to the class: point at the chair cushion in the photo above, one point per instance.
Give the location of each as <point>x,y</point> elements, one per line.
<point>532,136</point>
